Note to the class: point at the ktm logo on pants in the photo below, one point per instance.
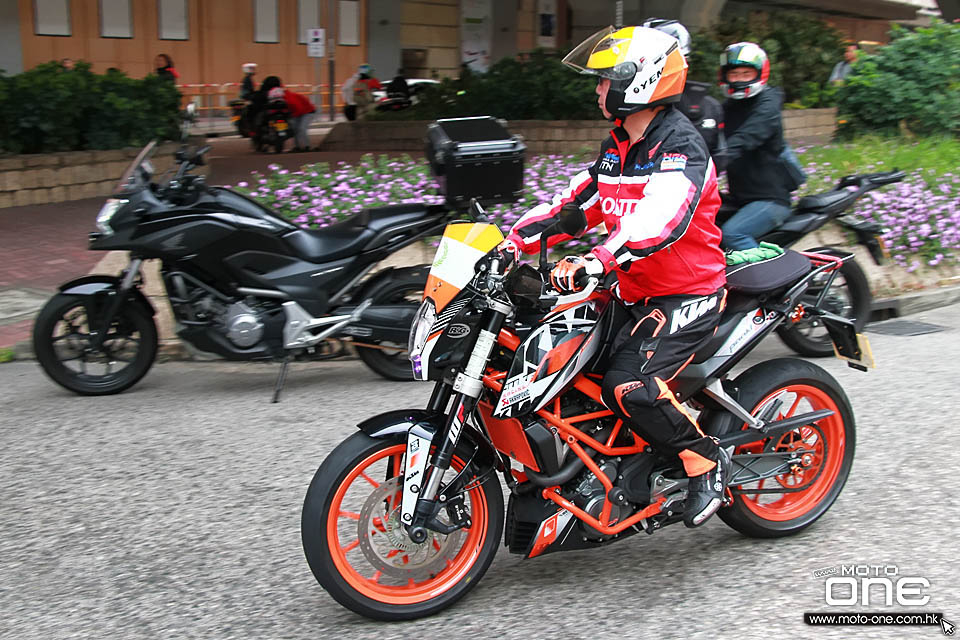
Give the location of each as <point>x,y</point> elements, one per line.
<point>690,311</point>
<point>623,207</point>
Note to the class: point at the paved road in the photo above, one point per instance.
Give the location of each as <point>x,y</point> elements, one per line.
<point>172,511</point>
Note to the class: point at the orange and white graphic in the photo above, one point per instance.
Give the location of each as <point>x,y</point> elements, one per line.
<point>549,530</point>
<point>460,247</point>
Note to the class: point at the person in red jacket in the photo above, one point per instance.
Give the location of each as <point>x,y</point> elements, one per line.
<point>301,113</point>
<point>654,186</point>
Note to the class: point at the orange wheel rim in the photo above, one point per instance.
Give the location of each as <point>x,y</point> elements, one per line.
<point>821,446</point>
<point>351,550</point>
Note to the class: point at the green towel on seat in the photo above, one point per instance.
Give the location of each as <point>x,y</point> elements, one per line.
<point>765,251</point>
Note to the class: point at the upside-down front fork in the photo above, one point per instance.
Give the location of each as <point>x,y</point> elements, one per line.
<point>422,501</point>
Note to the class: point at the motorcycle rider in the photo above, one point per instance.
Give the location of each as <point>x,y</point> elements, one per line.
<point>654,185</point>
<point>760,183</point>
<point>696,103</point>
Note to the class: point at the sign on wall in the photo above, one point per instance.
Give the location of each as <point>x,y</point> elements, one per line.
<point>316,41</point>
<point>476,34</point>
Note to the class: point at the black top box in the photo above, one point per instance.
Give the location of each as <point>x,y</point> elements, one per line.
<point>475,158</point>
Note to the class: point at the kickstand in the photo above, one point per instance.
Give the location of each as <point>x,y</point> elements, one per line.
<point>281,379</point>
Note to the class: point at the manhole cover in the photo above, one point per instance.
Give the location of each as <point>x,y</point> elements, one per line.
<point>904,328</point>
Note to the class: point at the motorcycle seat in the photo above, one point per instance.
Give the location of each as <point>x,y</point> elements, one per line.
<point>352,235</point>
<point>329,243</point>
<point>756,278</point>
<point>828,202</point>
<point>395,215</point>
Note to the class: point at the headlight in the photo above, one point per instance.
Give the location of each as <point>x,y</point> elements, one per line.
<point>109,208</point>
<point>420,330</point>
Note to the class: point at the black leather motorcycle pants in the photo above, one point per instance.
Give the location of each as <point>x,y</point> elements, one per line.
<point>663,338</point>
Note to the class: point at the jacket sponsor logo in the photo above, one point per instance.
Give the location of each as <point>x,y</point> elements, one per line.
<point>610,160</point>
<point>648,165</point>
<point>622,207</point>
<point>673,162</point>
<point>690,311</point>
<point>458,330</point>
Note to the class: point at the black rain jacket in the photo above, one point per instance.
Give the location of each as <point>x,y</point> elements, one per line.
<point>754,131</point>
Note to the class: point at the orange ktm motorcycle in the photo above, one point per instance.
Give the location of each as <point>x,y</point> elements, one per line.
<point>403,518</point>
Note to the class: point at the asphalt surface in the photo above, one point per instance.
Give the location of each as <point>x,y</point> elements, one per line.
<point>172,511</point>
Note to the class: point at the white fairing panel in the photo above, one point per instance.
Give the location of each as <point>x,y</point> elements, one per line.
<point>548,359</point>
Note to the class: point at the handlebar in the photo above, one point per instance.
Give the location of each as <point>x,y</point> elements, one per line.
<point>866,181</point>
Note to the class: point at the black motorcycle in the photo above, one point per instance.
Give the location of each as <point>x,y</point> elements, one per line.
<point>845,292</point>
<point>243,283</point>
<point>272,129</point>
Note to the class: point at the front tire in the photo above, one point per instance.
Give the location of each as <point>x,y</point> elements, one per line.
<point>388,359</point>
<point>360,553</point>
<point>809,489</point>
<point>849,296</point>
<point>61,334</point>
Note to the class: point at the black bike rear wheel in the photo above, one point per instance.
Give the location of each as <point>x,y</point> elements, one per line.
<point>849,296</point>
<point>387,358</point>
<point>61,339</point>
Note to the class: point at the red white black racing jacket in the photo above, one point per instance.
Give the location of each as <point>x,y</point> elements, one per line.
<point>658,199</point>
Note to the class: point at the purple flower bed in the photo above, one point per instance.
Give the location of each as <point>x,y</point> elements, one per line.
<point>922,213</point>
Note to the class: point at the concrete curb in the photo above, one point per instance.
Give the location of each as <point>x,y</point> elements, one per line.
<point>882,309</point>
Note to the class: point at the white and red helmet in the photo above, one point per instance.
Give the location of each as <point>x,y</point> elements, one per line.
<point>744,54</point>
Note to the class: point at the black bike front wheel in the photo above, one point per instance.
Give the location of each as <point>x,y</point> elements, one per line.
<point>62,338</point>
<point>849,296</point>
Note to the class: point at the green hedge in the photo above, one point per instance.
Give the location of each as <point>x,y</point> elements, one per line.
<point>913,82</point>
<point>802,52</point>
<point>541,88</point>
<point>49,108</point>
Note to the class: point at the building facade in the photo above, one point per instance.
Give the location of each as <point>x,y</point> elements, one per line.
<point>209,40</point>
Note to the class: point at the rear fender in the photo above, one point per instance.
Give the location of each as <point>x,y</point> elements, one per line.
<point>845,256</point>
<point>97,288</point>
<point>381,280</point>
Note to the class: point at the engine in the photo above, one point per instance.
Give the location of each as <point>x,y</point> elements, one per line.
<point>589,495</point>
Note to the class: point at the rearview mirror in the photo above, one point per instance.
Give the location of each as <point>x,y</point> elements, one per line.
<point>571,221</point>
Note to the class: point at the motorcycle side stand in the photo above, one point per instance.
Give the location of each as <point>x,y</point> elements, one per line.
<point>281,379</point>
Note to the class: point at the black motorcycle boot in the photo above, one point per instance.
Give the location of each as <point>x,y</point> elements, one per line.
<point>705,492</point>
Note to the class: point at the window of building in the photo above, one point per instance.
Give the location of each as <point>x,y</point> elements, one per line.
<point>309,16</point>
<point>51,17</point>
<point>116,19</point>
<point>173,21</point>
<point>265,26</point>
<point>349,32</point>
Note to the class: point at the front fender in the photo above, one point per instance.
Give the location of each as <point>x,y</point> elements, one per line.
<point>98,285</point>
<point>394,423</point>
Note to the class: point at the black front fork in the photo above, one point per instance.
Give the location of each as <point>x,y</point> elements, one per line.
<point>114,304</point>
<point>467,387</point>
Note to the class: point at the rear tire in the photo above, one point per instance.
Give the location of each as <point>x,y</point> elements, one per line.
<point>359,552</point>
<point>804,387</point>
<point>850,299</point>
<point>403,286</point>
<point>61,334</point>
